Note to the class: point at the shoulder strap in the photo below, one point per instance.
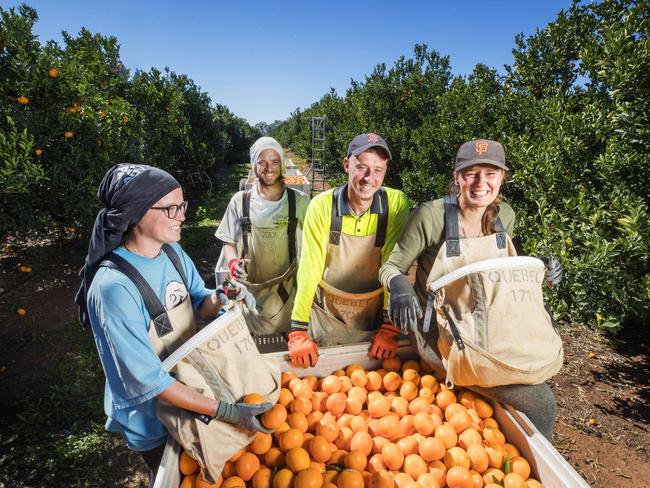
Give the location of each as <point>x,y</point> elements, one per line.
<point>246,221</point>
<point>176,261</point>
<point>452,236</point>
<point>382,219</point>
<point>293,222</point>
<point>500,232</point>
<point>337,220</point>
<point>156,309</point>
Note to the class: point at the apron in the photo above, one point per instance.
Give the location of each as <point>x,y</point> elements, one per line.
<point>271,269</point>
<point>227,366</point>
<point>349,299</point>
<point>493,329</point>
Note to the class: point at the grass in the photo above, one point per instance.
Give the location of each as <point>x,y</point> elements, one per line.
<point>57,438</point>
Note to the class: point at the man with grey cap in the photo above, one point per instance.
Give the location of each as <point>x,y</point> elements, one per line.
<point>471,223</point>
<point>261,232</point>
<point>348,233</point>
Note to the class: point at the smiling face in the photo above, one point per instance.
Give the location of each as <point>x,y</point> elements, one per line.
<point>156,227</point>
<point>366,174</point>
<point>479,185</point>
<point>269,167</point>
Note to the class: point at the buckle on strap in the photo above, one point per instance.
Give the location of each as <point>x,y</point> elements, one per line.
<point>163,325</point>
<point>426,323</point>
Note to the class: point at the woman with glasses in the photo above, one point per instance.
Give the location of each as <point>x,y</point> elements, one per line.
<point>139,293</point>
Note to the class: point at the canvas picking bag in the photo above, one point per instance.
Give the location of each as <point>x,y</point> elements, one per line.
<point>494,327</point>
<point>221,361</point>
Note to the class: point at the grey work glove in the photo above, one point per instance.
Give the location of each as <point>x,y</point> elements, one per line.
<point>403,305</point>
<point>554,270</point>
<point>237,292</point>
<point>243,415</point>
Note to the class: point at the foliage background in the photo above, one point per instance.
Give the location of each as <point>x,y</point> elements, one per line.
<point>47,180</point>
<point>573,113</point>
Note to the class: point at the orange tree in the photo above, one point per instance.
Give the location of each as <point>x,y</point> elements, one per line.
<point>572,113</point>
<point>67,113</point>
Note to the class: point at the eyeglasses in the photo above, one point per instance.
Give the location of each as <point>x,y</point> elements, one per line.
<point>172,211</point>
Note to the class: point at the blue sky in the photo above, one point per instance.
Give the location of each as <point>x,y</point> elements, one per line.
<point>265,59</point>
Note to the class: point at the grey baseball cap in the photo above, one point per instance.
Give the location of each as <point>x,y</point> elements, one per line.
<point>481,151</point>
<point>365,141</point>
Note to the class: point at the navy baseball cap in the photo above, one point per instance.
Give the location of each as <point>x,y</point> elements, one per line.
<point>481,151</point>
<point>365,141</point>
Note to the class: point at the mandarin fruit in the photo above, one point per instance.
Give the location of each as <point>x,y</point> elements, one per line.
<point>247,465</point>
<point>393,456</point>
<point>336,403</point>
<point>414,466</point>
<point>355,459</point>
<point>283,478</point>
<point>274,458</point>
<point>234,482</point>
<point>520,466</point>
<point>459,477</point>
<point>483,408</point>
<point>290,439</point>
<point>350,478</point>
<point>447,434</point>
<point>374,382</point>
<point>261,443</point>
<point>263,477</point>
<point>254,398</point>
<point>286,397</point>
<point>308,478</point>
<point>392,381</point>
<point>187,464</point>
<point>428,480</point>
<point>330,384</point>
<point>431,449</point>
<point>199,482</point>
<point>381,479</point>
<point>478,458</point>
<point>423,423</point>
<point>296,459</point>
<point>362,441</point>
<point>408,445</point>
<point>274,417</point>
<point>513,480</point>
<point>444,398</point>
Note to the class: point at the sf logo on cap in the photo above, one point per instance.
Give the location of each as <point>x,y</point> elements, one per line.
<point>373,137</point>
<point>481,147</point>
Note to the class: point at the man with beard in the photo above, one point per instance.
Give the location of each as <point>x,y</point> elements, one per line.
<point>349,232</point>
<point>261,234</point>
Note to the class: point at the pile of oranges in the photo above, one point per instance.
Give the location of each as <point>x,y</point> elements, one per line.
<point>396,427</point>
<point>294,180</point>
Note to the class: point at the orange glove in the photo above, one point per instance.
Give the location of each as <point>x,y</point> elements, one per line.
<point>384,342</point>
<point>302,350</point>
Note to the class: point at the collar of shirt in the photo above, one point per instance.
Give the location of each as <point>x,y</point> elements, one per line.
<point>344,205</point>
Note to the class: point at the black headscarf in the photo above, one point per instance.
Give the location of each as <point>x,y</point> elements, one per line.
<point>127,192</point>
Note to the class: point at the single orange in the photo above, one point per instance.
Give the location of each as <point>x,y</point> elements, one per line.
<point>297,459</point>
<point>459,477</point>
<point>308,478</point>
<point>233,482</point>
<point>274,417</point>
<point>350,478</point>
<point>261,443</point>
<point>187,464</point>
<point>355,459</point>
<point>23,100</point>
<point>263,478</point>
<point>247,465</point>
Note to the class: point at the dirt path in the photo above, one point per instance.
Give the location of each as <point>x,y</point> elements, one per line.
<point>603,390</point>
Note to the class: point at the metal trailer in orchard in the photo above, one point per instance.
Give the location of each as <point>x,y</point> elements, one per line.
<point>547,464</point>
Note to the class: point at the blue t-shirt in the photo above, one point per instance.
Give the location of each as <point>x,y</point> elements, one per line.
<point>120,323</point>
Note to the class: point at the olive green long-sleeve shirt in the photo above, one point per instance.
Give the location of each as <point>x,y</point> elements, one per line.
<point>421,239</point>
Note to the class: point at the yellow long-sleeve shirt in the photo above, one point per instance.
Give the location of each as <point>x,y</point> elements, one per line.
<point>315,237</point>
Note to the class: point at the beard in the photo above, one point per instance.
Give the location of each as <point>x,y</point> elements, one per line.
<point>268,180</point>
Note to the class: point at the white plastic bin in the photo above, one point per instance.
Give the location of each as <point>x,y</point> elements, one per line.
<point>546,463</point>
